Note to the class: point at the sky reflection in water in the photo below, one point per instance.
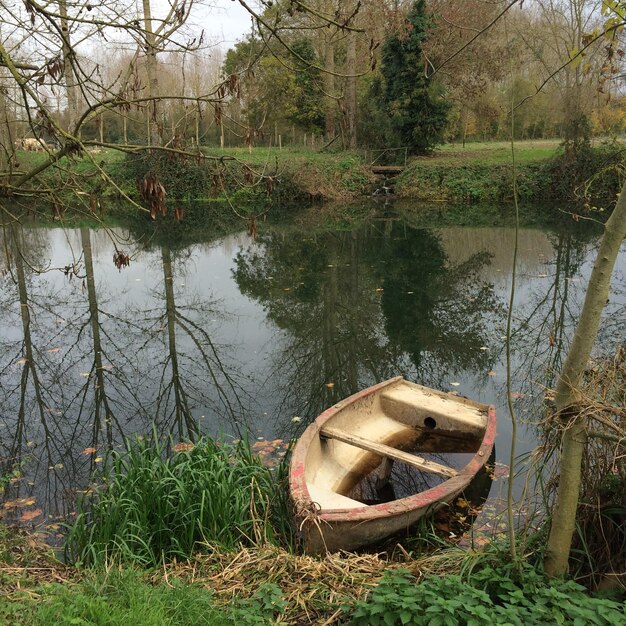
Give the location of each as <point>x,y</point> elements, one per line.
<point>239,336</point>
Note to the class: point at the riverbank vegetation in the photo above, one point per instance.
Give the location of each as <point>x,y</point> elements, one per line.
<point>286,118</point>
<point>246,183</point>
<point>199,533</point>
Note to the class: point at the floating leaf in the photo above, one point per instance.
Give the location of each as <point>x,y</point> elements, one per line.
<point>456,384</point>
<point>329,385</point>
<point>53,350</point>
<point>88,451</point>
<point>16,504</point>
<point>491,373</point>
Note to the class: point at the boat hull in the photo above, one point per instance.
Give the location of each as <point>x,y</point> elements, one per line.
<point>393,413</point>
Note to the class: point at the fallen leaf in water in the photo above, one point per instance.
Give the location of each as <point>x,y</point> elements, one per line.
<point>456,384</point>
<point>22,361</point>
<point>85,374</point>
<point>27,516</point>
<point>500,471</point>
<point>516,394</point>
<point>16,504</point>
<point>53,349</point>
<point>98,459</point>
<point>88,451</point>
<point>491,373</point>
<point>329,385</point>
<point>379,289</point>
<point>295,419</point>
<point>183,447</point>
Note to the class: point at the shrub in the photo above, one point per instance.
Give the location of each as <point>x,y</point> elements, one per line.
<point>498,597</point>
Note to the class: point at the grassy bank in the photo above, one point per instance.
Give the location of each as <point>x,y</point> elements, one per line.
<point>544,173</point>
<point>268,585</point>
<point>479,172</point>
<point>194,534</point>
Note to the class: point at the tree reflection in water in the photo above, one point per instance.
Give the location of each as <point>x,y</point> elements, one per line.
<point>84,371</point>
<point>293,323</point>
<point>363,306</point>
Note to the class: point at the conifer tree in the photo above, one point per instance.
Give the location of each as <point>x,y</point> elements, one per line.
<point>417,112</point>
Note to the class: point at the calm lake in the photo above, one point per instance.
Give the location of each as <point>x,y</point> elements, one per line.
<point>241,335</point>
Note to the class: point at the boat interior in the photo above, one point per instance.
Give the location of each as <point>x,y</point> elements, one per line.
<point>386,444</point>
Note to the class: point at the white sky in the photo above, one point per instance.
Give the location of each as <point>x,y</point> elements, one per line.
<point>228,21</point>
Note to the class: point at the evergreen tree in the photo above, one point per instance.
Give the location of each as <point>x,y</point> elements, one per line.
<point>416,110</point>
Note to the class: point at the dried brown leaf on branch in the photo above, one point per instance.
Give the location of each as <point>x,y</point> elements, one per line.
<point>252,227</point>
<point>55,68</point>
<point>121,259</point>
<point>153,193</point>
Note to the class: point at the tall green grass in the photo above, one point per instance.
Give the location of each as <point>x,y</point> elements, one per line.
<point>152,507</point>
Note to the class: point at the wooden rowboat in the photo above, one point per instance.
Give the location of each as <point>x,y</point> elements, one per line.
<point>362,436</point>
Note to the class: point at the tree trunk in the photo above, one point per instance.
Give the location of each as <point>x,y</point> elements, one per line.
<point>68,71</point>
<point>329,86</point>
<point>350,93</point>
<point>151,69</point>
<point>568,396</point>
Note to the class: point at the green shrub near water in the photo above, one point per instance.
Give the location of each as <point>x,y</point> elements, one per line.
<point>491,596</point>
<point>152,507</point>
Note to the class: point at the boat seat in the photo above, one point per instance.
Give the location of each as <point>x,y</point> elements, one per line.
<point>389,452</point>
<point>328,499</point>
<point>423,409</point>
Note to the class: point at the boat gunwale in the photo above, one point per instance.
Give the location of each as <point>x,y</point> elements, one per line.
<point>434,496</point>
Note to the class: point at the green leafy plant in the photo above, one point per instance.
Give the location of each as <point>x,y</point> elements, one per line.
<point>517,595</point>
<point>153,507</point>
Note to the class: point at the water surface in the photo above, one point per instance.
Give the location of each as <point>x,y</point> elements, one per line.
<point>240,336</point>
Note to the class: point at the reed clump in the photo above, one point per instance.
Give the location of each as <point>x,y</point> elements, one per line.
<point>600,545</point>
<point>151,507</point>
<point>598,556</point>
